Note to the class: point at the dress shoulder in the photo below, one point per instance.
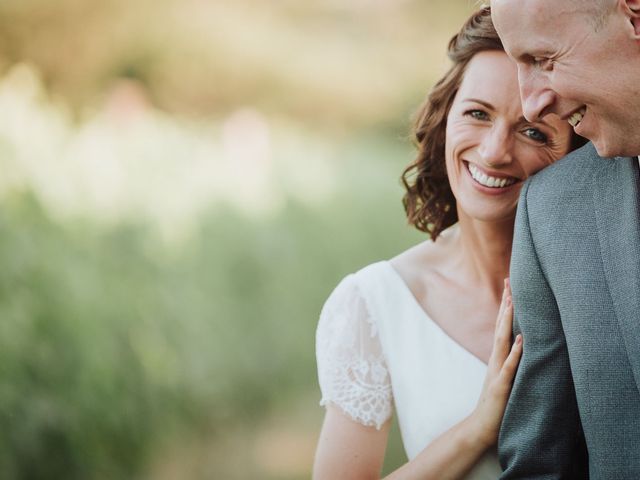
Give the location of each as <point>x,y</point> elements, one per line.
<point>352,370</point>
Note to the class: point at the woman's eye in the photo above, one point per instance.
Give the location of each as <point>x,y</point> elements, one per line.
<point>477,114</point>
<point>535,135</point>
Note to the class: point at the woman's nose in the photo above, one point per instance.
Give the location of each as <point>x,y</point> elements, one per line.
<point>496,147</point>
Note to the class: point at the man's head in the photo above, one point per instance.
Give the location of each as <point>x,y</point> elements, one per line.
<point>579,59</point>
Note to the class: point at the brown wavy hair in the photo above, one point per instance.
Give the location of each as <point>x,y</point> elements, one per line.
<point>429,201</point>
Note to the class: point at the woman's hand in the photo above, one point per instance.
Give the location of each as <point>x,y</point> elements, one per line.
<point>502,367</point>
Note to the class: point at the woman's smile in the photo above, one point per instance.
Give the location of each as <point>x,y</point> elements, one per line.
<point>489,183</point>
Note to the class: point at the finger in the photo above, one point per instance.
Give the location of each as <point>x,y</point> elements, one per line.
<point>506,323</point>
<point>506,294</point>
<point>510,365</point>
<point>502,304</point>
<point>502,340</point>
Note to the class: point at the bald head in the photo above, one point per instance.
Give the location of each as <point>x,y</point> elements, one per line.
<point>596,11</point>
<point>592,5</point>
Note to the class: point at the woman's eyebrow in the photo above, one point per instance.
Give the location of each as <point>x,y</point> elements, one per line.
<point>481,102</point>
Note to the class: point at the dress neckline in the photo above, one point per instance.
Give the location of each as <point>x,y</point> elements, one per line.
<point>403,285</point>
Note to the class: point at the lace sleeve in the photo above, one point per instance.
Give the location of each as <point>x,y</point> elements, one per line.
<point>351,366</point>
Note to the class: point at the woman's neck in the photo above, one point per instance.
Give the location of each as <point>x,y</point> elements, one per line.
<point>485,252</point>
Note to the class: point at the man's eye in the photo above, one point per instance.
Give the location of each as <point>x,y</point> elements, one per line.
<point>535,135</point>
<point>477,114</point>
<point>543,63</point>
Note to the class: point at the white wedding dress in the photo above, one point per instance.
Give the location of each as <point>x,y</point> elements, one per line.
<point>377,350</point>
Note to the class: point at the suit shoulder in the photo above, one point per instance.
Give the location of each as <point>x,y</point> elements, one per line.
<point>577,165</point>
<point>571,173</point>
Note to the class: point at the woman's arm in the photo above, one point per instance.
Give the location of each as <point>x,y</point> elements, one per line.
<point>355,386</point>
<point>349,450</point>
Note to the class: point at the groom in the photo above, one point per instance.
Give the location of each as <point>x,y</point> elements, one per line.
<point>575,271</point>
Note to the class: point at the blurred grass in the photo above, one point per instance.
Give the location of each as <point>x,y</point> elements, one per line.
<point>184,183</point>
<point>114,341</point>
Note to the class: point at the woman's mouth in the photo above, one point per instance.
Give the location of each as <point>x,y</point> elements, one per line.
<point>489,181</point>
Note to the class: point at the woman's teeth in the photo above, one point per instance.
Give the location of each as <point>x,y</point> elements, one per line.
<point>489,181</point>
<point>576,118</point>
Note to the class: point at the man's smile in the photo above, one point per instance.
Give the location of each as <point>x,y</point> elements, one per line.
<point>576,117</point>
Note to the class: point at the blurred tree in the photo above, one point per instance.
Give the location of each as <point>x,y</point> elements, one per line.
<point>161,280</point>
<point>330,64</point>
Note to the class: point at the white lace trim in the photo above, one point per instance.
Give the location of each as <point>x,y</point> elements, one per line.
<point>351,366</point>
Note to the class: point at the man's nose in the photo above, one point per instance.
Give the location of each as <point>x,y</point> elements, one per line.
<point>536,104</point>
<point>497,146</point>
<point>537,100</point>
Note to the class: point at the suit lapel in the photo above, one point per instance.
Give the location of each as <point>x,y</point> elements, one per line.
<point>617,207</point>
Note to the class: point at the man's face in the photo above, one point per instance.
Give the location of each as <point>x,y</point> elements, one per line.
<point>586,75</point>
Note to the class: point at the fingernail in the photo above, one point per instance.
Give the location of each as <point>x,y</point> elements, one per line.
<point>519,339</point>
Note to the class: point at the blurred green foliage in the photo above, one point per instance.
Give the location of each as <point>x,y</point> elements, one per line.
<point>156,313</point>
<point>112,340</point>
<point>339,65</point>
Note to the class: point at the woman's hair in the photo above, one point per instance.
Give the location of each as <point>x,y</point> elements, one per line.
<point>429,201</point>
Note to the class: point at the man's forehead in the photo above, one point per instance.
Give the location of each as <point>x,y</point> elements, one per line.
<point>536,6</point>
<point>532,12</point>
<point>529,26</point>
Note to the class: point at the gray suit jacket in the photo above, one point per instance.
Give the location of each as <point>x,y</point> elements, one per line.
<point>575,275</point>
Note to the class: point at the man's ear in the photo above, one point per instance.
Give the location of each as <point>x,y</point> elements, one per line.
<point>631,9</point>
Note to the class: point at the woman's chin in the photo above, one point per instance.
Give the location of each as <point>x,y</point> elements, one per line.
<point>487,213</point>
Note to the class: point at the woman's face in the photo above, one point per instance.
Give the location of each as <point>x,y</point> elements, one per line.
<point>490,148</point>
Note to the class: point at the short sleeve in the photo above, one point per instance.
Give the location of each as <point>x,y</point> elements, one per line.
<point>352,370</point>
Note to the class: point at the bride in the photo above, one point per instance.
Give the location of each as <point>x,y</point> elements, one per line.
<point>419,333</point>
